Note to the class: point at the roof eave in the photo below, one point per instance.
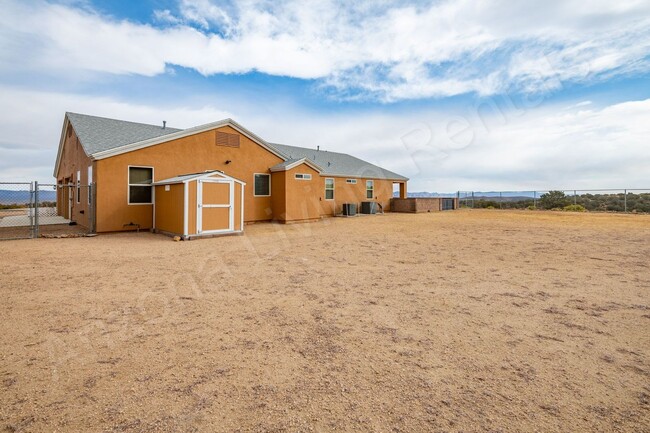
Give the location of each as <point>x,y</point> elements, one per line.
<point>186,133</point>
<point>305,161</point>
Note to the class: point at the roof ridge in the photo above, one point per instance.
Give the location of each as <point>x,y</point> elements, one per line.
<point>120,120</point>
<point>310,149</point>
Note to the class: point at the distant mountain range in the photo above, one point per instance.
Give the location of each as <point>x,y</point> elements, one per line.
<point>8,196</point>
<point>479,195</point>
<point>427,194</point>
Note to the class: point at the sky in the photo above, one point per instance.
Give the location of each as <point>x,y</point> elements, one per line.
<point>456,95</point>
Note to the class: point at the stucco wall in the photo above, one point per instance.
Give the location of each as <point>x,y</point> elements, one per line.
<point>302,196</point>
<point>73,159</point>
<point>170,208</point>
<point>354,193</point>
<point>191,154</point>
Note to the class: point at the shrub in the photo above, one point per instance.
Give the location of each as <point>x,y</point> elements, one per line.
<point>490,207</point>
<point>553,199</point>
<point>531,207</point>
<point>575,208</point>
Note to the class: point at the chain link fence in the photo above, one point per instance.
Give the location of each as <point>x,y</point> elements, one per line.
<point>633,200</point>
<point>31,209</point>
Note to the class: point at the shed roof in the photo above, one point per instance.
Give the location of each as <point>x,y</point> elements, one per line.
<point>181,178</point>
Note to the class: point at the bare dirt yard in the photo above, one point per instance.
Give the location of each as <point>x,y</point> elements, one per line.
<point>457,321</point>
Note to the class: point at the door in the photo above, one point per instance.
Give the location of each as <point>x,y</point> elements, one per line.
<point>215,201</point>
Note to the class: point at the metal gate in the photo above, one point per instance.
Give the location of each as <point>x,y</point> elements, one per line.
<point>32,209</point>
<point>447,204</point>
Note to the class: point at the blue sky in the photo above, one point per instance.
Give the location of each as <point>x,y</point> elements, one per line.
<point>467,94</point>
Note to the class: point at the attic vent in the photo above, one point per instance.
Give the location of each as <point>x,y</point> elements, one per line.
<point>225,139</point>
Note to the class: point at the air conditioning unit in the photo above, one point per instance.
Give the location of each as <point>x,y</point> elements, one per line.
<point>368,207</point>
<point>349,209</point>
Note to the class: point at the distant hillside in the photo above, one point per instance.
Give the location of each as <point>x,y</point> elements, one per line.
<point>22,197</point>
<point>427,194</point>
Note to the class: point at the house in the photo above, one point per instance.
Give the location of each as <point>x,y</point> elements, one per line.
<point>134,166</point>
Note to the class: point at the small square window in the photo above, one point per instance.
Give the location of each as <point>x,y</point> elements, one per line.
<point>351,181</point>
<point>262,185</point>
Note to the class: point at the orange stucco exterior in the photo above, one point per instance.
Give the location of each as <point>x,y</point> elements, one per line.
<point>73,161</point>
<point>169,208</point>
<point>291,199</point>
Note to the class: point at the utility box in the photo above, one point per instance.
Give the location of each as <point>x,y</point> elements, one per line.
<point>368,207</point>
<point>349,209</point>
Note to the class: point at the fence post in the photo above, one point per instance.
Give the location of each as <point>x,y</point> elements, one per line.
<point>535,199</point>
<point>625,200</point>
<point>36,231</point>
<point>575,197</point>
<point>472,199</point>
<point>500,200</point>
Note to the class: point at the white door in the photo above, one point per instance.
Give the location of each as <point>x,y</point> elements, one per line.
<point>215,202</point>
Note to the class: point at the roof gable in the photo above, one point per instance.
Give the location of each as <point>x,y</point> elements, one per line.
<point>291,163</point>
<point>337,164</point>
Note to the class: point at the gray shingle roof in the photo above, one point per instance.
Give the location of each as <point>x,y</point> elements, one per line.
<point>97,134</point>
<point>337,164</point>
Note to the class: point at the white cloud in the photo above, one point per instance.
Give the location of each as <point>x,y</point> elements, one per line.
<point>387,52</point>
<point>544,147</point>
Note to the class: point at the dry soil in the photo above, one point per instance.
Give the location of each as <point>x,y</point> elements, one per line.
<point>455,321</point>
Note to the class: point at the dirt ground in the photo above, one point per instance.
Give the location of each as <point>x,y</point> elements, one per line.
<point>502,321</point>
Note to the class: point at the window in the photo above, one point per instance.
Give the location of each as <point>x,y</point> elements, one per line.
<point>262,185</point>
<point>329,189</point>
<point>351,181</point>
<point>370,188</point>
<point>79,186</point>
<point>140,189</point>
<point>303,176</point>
<point>90,180</point>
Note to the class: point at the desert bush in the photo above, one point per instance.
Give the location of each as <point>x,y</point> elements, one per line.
<point>574,208</point>
<point>553,199</point>
<point>531,207</point>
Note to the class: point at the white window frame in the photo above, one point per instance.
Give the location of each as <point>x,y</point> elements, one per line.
<point>351,181</point>
<point>90,180</point>
<point>263,174</point>
<point>78,190</point>
<point>302,176</point>
<point>128,185</point>
<point>332,189</point>
<point>372,188</point>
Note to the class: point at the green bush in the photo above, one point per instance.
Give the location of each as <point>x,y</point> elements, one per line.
<point>553,199</point>
<point>575,208</point>
<point>531,207</point>
<point>490,207</point>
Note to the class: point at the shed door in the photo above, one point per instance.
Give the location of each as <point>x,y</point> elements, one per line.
<point>215,213</point>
